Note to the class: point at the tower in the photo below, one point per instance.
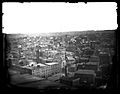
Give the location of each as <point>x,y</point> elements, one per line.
<point>38,54</point>
<point>66,59</point>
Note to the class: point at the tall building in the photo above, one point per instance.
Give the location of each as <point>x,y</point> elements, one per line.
<point>92,66</point>
<point>93,63</point>
<point>104,58</point>
<point>38,54</point>
<point>86,76</point>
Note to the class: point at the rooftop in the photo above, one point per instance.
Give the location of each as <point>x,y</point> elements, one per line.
<point>41,64</point>
<point>26,67</point>
<point>69,78</point>
<point>52,63</point>
<point>92,63</point>
<point>85,72</point>
<point>70,58</point>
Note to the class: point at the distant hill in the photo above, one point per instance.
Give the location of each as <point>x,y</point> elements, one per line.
<point>81,32</point>
<point>71,33</point>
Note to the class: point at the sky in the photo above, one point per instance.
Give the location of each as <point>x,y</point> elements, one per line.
<point>29,18</point>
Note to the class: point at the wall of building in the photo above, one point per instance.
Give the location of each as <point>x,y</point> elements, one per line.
<point>46,71</point>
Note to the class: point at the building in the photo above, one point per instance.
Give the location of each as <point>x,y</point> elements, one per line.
<point>71,69</point>
<point>83,59</point>
<point>41,70</point>
<point>94,58</point>
<point>93,63</point>
<point>92,44</point>
<point>39,54</point>
<point>86,76</point>
<point>55,67</point>
<point>92,66</point>
<point>88,52</point>
<point>81,65</point>
<point>14,61</point>
<point>70,60</point>
<point>47,69</point>
<point>71,81</point>
<point>104,58</point>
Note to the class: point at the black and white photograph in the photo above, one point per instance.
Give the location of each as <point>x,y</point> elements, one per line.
<point>59,46</point>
